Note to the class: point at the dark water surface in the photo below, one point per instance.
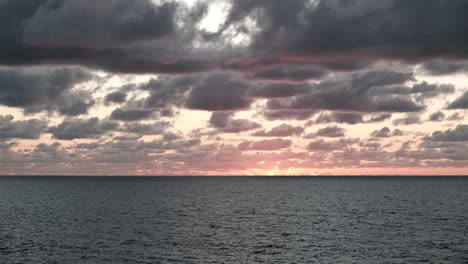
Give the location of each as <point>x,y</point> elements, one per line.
<point>233,220</point>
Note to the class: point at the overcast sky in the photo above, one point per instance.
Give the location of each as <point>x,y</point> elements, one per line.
<point>222,87</point>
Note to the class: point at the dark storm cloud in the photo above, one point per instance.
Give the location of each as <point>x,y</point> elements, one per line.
<point>460,103</point>
<point>106,24</point>
<point>290,73</point>
<point>331,132</point>
<point>37,90</point>
<point>218,93</point>
<point>277,90</point>
<point>283,130</point>
<point>24,129</point>
<point>266,145</point>
<point>71,129</point>
<point>141,36</point>
<point>400,29</point>
<point>224,122</point>
<point>458,134</point>
<point>117,35</point>
<point>122,114</point>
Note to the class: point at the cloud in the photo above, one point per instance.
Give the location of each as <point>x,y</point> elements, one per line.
<point>115,97</point>
<point>37,90</point>
<point>23,129</point>
<point>331,132</point>
<point>117,22</point>
<point>378,118</point>
<point>168,91</point>
<point>155,128</point>
<point>409,119</point>
<point>388,29</point>
<point>351,93</point>
<point>460,103</point>
<point>338,117</point>
<point>265,145</point>
<point>116,36</point>
<point>437,117</point>
<point>421,91</point>
<point>288,114</point>
<point>322,145</point>
<point>455,117</point>
<point>71,129</point>
<point>385,132</point>
<point>225,123</point>
<point>443,67</point>
<point>218,93</point>
<point>277,90</point>
<point>163,37</point>
<point>458,134</point>
<point>290,73</point>
<point>283,130</point>
<point>130,114</point>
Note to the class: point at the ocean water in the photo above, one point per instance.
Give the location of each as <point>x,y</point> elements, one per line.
<point>233,220</point>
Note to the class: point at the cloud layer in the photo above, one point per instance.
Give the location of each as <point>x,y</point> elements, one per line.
<point>296,87</point>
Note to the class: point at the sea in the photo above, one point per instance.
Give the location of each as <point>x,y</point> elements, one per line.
<point>233,220</point>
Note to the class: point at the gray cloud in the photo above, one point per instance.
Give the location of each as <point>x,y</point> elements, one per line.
<point>459,133</point>
<point>460,103</point>
<point>115,97</point>
<point>23,129</point>
<point>409,119</point>
<point>421,91</point>
<point>266,145</point>
<point>443,67</point>
<point>455,117</point>
<point>277,90</point>
<point>322,145</point>
<point>388,29</point>
<point>283,130</point>
<point>224,122</point>
<point>122,114</point>
<point>351,93</point>
<point>385,132</point>
<point>285,114</point>
<point>168,91</point>
<point>331,132</point>
<point>437,117</point>
<point>378,118</point>
<point>37,90</point>
<point>117,36</point>
<point>338,117</point>
<point>290,73</point>
<point>116,22</point>
<point>156,128</point>
<point>218,93</point>
<point>82,128</point>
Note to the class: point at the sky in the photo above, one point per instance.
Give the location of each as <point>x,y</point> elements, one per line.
<point>233,87</point>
